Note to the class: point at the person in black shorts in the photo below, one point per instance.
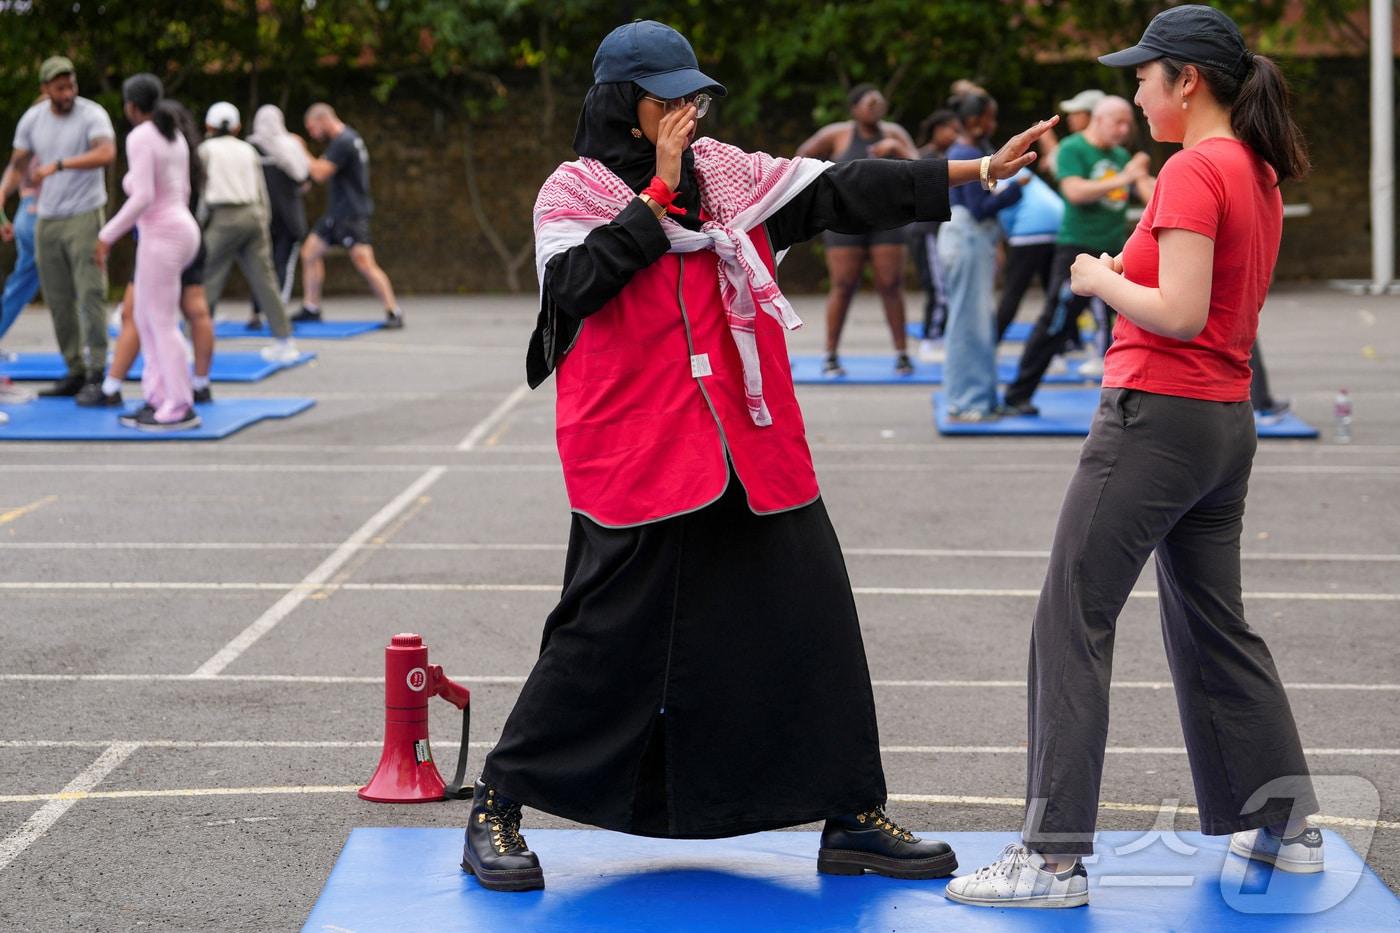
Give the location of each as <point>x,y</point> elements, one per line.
<point>344,168</point>
<point>864,136</point>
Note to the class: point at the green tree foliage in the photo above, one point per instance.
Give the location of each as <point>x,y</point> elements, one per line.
<point>473,51</point>
<point>470,60</point>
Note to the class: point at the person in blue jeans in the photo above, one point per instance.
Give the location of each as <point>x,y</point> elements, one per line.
<point>967,247</point>
<point>23,282</point>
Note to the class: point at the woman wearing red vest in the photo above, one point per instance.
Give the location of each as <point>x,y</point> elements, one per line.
<point>703,673</point>
<point>1165,471</point>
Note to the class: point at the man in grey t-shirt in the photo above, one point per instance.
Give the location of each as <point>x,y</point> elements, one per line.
<point>71,141</point>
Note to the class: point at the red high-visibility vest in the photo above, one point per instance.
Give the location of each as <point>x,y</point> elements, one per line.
<point>651,410</point>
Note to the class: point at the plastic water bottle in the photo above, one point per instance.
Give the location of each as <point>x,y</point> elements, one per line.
<point>1341,411</point>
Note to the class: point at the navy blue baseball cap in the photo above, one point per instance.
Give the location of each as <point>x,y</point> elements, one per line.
<point>655,56</point>
<point>1196,34</point>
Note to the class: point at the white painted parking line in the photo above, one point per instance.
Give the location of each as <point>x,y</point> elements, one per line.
<point>1321,752</point>
<point>1068,467</point>
<point>520,679</point>
<point>1136,594</point>
<point>1117,750</point>
<point>69,795</point>
<point>70,799</point>
<point>467,546</point>
<point>1018,802</point>
<point>55,805</point>
<point>169,466</point>
<point>308,586</point>
<point>489,423</point>
<point>552,465</point>
<point>320,575</point>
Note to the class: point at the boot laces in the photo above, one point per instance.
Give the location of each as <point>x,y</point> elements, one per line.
<point>882,821</point>
<point>505,824</point>
<point>1012,859</point>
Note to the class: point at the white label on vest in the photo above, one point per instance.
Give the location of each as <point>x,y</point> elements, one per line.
<point>700,365</point>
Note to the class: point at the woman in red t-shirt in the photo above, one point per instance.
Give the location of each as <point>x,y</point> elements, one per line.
<point>1164,471</point>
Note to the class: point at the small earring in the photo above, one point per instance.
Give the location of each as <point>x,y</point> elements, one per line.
<point>636,133</point>
<point>1184,105</point>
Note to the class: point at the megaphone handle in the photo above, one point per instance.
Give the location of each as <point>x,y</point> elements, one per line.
<point>456,790</point>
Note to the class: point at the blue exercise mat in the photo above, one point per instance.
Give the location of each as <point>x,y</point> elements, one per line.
<point>34,366</point>
<point>237,367</point>
<point>396,879</point>
<point>58,419</point>
<point>879,370</point>
<point>227,367</point>
<point>1070,412</point>
<point>1016,331</point>
<point>324,330</point>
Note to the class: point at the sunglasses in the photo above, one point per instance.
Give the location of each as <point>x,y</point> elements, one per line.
<point>701,101</point>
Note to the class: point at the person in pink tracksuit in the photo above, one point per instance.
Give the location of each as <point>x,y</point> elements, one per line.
<point>157,186</point>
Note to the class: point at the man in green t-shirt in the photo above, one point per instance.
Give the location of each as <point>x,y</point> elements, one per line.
<point>1096,177</point>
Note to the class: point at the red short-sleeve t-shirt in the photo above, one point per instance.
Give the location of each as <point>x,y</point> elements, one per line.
<point>1218,188</point>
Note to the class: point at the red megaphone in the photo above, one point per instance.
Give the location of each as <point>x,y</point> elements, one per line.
<point>406,772</point>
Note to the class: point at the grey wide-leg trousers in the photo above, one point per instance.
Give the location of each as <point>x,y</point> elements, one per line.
<point>1168,475</point>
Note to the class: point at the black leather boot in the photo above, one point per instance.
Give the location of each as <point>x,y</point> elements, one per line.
<point>495,851</point>
<point>67,387</point>
<point>870,841</point>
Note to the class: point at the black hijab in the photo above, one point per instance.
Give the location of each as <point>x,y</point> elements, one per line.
<point>605,133</point>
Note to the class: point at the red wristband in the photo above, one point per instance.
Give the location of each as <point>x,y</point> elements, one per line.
<point>661,193</point>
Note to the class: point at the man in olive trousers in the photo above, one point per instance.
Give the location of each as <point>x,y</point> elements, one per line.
<point>72,141</point>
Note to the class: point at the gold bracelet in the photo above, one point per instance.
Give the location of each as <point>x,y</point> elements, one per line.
<point>988,182</point>
<point>654,205</point>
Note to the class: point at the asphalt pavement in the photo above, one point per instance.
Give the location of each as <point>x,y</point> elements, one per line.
<point>193,632</point>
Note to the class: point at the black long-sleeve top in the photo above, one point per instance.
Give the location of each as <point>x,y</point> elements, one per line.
<point>861,196</point>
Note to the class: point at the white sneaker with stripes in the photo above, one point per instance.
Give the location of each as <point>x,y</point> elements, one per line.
<point>1018,878</point>
<point>1301,854</point>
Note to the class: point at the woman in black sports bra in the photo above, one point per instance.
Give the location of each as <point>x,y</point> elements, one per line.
<point>864,136</point>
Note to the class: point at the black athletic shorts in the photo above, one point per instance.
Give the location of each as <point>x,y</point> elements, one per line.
<point>343,231</point>
<point>896,237</point>
<point>193,274</point>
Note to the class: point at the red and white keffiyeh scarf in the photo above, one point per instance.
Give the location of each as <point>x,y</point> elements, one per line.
<point>738,191</point>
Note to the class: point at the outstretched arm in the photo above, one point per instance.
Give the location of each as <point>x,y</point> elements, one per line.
<point>880,194</point>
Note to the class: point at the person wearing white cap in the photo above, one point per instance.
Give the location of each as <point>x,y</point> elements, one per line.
<point>1077,110</point>
<point>237,205</point>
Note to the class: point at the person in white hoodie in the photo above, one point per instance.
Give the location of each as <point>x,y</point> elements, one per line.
<point>236,229</point>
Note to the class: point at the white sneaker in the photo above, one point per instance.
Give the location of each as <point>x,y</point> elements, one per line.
<point>1018,878</point>
<point>931,351</point>
<point>1301,854</point>
<point>284,351</point>
<point>1091,368</point>
<point>11,394</point>
<point>1057,367</point>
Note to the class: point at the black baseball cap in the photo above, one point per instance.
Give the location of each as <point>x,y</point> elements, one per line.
<point>1200,35</point>
<point>655,56</point>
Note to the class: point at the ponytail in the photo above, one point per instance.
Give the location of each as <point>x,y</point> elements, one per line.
<point>1260,117</point>
<point>1259,105</point>
<point>185,123</point>
<point>166,119</point>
